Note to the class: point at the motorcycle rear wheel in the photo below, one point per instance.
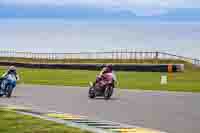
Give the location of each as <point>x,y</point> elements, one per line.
<point>9,91</point>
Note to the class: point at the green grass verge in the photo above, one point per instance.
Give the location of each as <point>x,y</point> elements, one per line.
<point>188,81</point>
<point>11,122</point>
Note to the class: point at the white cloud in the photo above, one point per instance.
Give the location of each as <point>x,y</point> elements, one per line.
<point>140,7</point>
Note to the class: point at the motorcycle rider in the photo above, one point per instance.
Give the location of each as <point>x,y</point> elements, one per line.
<point>11,71</point>
<point>108,69</point>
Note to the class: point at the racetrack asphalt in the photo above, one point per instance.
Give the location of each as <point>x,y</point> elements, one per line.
<point>166,111</point>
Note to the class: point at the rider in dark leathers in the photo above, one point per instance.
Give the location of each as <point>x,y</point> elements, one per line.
<point>11,71</point>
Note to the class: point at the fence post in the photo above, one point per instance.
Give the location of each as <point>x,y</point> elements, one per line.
<point>126,54</point>
<point>156,57</point>
<point>117,55</point>
<point>131,55</point>
<point>135,56</point>
<point>141,58</point>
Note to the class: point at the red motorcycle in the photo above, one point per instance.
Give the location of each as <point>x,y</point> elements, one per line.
<point>104,86</point>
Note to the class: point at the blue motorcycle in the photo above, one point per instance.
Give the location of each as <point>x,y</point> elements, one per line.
<point>7,85</point>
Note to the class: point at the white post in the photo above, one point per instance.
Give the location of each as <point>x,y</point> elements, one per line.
<point>163,79</point>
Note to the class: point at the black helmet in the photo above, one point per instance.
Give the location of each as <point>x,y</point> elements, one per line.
<point>109,67</point>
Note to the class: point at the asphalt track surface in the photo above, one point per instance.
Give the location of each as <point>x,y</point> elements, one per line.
<point>166,111</point>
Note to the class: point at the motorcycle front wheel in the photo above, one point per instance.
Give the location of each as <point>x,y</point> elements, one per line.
<point>9,90</point>
<point>1,95</point>
<point>108,92</point>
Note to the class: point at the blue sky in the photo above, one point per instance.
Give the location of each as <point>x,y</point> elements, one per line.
<point>42,34</point>
<point>183,10</point>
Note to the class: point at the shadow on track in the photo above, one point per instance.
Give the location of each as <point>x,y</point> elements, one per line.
<point>12,97</point>
<point>101,98</point>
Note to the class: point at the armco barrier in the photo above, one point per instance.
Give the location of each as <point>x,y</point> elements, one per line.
<point>117,67</point>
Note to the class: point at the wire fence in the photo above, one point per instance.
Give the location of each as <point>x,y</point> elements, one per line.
<point>114,55</point>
